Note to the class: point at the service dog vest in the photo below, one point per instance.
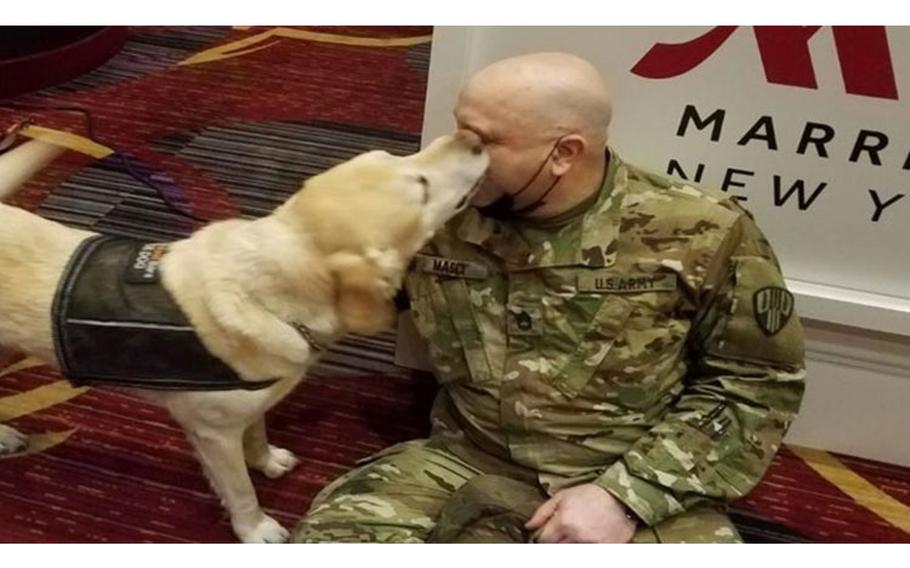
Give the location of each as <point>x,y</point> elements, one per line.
<point>114,324</point>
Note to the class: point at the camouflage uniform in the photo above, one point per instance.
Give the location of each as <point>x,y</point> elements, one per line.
<point>644,342</point>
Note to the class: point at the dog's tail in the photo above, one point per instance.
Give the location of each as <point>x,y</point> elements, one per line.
<point>24,161</point>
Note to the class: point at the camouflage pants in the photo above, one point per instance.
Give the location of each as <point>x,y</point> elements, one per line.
<point>416,492</point>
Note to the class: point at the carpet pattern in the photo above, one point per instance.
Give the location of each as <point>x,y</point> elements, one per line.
<point>229,122</point>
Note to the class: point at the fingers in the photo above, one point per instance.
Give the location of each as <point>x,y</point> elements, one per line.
<point>543,513</point>
<point>551,533</point>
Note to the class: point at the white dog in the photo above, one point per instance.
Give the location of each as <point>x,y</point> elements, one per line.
<point>248,304</point>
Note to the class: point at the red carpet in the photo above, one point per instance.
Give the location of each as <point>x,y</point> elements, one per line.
<point>237,135</point>
<point>127,474</point>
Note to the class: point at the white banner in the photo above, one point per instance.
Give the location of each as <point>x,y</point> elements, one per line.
<point>808,126</point>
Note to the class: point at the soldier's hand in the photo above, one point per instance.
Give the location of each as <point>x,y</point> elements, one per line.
<point>585,513</point>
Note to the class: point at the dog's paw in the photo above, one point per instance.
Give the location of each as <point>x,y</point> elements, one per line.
<point>11,441</point>
<point>390,269</point>
<point>293,347</point>
<point>268,530</point>
<point>278,462</point>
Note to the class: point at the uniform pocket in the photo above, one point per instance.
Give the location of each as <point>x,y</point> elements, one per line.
<point>557,332</point>
<point>594,345</point>
<point>431,315</point>
<point>561,354</point>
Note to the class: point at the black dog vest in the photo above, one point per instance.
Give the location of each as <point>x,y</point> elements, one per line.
<point>115,324</point>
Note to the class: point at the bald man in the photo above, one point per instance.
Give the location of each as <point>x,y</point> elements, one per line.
<point>618,353</point>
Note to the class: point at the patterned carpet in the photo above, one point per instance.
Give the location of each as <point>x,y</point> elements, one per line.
<point>231,128</point>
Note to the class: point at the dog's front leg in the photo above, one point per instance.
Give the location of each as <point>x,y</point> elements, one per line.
<point>11,441</point>
<point>239,314</point>
<point>221,454</point>
<point>260,455</point>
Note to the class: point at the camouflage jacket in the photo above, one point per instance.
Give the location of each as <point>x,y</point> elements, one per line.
<point>648,344</point>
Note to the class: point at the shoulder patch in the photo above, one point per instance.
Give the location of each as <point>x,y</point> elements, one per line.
<point>772,307</point>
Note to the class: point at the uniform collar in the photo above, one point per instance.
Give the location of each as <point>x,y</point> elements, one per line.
<point>588,239</point>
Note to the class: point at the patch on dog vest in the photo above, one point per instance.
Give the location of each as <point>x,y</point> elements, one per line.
<point>145,262</point>
<point>114,324</point>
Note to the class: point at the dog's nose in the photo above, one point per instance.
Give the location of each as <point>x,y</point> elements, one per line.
<point>470,139</point>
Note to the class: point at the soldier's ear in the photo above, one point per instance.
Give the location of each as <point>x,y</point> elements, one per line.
<point>568,151</point>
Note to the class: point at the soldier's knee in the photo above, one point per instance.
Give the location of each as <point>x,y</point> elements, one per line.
<point>348,514</point>
<point>351,532</point>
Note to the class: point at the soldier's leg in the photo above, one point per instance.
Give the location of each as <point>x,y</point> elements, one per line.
<point>706,523</point>
<point>396,497</point>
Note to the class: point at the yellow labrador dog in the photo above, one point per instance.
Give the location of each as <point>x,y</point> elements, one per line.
<point>248,304</point>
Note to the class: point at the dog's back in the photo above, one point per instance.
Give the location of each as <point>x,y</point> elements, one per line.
<point>33,254</point>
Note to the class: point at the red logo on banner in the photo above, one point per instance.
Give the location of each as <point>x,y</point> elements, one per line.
<point>865,60</point>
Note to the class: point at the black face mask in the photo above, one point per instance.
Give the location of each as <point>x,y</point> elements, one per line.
<point>504,207</point>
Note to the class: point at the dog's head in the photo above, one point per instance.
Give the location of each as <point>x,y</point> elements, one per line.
<point>370,215</point>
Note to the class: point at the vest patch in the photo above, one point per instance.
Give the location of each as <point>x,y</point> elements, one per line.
<point>145,262</point>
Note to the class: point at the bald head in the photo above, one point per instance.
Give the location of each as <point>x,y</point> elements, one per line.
<point>542,92</point>
<point>543,119</point>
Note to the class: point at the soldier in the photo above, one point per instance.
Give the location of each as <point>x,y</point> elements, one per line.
<point>617,352</point>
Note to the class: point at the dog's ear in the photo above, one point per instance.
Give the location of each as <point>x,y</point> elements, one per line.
<point>350,218</point>
<point>365,288</point>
